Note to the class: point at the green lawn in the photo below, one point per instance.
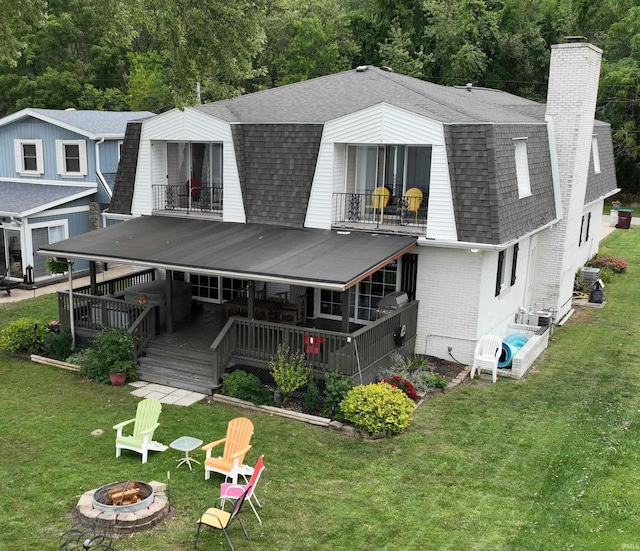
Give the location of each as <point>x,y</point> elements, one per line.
<point>550,462</point>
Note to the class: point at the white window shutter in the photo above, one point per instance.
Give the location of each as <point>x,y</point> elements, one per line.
<point>60,164</point>
<point>39,157</point>
<point>17,150</point>
<point>82,148</point>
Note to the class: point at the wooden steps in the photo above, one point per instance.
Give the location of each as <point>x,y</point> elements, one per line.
<point>179,367</point>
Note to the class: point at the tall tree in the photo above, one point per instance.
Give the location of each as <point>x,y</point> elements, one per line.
<point>18,19</point>
<point>211,42</point>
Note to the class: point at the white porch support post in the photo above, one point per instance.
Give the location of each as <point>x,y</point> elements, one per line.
<point>72,324</point>
<point>345,310</point>
<point>169,294</point>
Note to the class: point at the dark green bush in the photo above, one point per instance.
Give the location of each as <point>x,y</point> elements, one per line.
<point>58,345</point>
<point>311,398</point>
<point>336,388</point>
<point>110,352</point>
<point>23,336</point>
<point>246,386</point>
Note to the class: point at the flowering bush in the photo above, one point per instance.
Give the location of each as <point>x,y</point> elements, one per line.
<point>612,263</point>
<point>403,385</point>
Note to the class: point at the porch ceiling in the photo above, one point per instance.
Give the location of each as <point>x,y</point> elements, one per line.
<point>297,256</point>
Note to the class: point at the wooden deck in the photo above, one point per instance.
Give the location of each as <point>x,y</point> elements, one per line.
<point>199,330</point>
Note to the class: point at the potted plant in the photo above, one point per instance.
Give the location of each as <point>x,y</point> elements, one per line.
<point>110,358</point>
<point>57,265</point>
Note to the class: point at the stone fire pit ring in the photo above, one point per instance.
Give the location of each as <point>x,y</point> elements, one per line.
<point>117,520</point>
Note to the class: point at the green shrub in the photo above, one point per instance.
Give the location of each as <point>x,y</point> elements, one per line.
<point>378,408</point>
<point>435,380</point>
<point>606,275</point>
<point>311,398</point>
<point>110,352</point>
<point>336,387</point>
<point>23,336</point>
<point>289,371</point>
<point>246,386</point>
<point>58,345</point>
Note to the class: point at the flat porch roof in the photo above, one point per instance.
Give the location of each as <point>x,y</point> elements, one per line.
<point>326,259</point>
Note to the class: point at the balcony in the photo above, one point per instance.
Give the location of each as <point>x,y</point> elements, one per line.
<point>205,198</point>
<point>361,211</point>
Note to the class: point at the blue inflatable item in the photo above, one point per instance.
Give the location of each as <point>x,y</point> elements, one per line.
<point>506,356</point>
<point>516,337</point>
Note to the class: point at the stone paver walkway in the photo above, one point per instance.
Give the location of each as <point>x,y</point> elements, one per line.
<point>166,394</point>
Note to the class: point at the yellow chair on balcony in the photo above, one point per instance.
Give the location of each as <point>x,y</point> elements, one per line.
<point>379,201</point>
<point>413,200</point>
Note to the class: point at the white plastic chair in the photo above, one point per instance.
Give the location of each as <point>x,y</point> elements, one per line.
<point>487,355</point>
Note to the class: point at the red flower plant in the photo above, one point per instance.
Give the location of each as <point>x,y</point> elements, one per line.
<point>403,385</point>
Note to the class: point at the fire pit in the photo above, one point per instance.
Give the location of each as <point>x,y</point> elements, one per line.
<point>123,497</point>
<point>121,508</point>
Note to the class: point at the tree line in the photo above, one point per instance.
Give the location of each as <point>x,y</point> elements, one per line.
<point>158,54</point>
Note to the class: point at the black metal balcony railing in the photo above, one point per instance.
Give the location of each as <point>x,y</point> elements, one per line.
<point>182,197</point>
<point>364,208</point>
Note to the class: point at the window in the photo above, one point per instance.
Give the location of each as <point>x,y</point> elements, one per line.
<point>585,226</point>
<point>595,154</point>
<point>71,157</point>
<point>396,167</point>
<point>198,164</point>
<point>28,156</point>
<point>522,167</point>
<point>364,298</point>
<point>507,257</point>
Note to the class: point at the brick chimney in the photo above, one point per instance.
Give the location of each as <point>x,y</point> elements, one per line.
<point>571,101</point>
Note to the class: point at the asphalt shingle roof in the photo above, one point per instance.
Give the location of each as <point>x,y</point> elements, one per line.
<point>326,98</point>
<point>18,197</point>
<point>96,122</point>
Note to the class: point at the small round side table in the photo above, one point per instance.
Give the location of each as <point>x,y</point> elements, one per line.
<point>186,444</point>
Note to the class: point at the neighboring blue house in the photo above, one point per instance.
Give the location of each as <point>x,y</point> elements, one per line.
<point>57,172</point>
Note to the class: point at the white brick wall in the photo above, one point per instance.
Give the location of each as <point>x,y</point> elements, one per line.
<point>571,100</point>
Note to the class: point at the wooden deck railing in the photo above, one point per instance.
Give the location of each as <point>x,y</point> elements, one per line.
<point>119,284</point>
<point>95,313</point>
<point>324,350</point>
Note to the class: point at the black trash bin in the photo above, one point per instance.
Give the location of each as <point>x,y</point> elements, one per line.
<point>624,218</point>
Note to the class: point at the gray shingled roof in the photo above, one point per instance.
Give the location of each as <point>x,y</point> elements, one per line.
<point>110,179</point>
<point>17,197</point>
<point>326,98</point>
<point>97,122</point>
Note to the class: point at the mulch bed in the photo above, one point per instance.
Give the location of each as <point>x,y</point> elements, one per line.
<point>445,367</point>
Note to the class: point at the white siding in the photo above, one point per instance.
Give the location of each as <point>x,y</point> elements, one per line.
<point>441,222</point>
<point>189,125</point>
<point>382,124</point>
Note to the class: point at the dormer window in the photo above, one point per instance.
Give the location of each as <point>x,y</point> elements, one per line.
<point>522,167</point>
<point>28,157</point>
<point>595,153</point>
<point>71,157</point>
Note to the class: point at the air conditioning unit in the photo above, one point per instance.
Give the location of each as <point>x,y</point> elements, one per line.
<point>590,275</point>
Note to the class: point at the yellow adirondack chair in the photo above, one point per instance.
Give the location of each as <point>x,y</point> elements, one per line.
<point>236,446</point>
<point>144,425</point>
<point>379,199</point>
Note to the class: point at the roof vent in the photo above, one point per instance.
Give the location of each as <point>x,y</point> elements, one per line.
<point>387,69</point>
<point>70,109</point>
<point>469,86</point>
<point>361,68</point>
